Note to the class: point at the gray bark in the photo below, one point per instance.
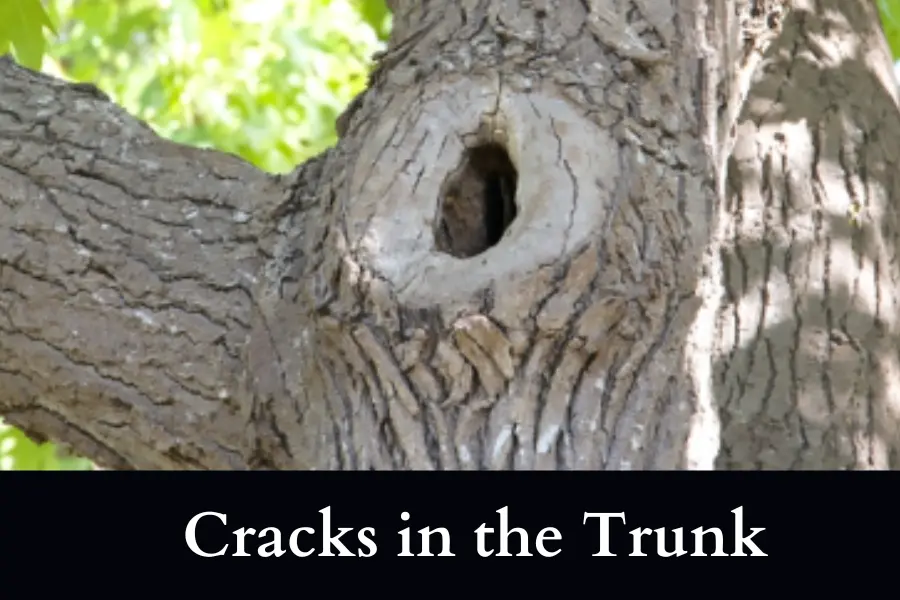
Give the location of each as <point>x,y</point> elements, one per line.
<point>580,235</point>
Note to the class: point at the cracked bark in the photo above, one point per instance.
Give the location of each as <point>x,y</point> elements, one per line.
<point>170,307</point>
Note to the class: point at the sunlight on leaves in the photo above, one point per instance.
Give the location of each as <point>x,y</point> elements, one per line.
<point>22,24</point>
<point>18,453</point>
<point>889,10</point>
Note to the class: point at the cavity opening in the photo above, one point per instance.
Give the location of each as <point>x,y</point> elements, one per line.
<point>477,203</point>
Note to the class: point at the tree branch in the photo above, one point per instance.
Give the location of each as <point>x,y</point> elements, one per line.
<point>127,264</point>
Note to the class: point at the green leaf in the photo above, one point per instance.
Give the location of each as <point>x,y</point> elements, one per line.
<point>95,16</point>
<point>889,11</point>
<point>377,15</point>
<point>18,453</point>
<point>22,24</point>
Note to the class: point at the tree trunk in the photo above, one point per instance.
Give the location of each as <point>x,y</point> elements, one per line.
<point>581,235</point>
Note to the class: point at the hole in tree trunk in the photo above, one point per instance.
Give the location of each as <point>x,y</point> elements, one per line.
<point>477,203</point>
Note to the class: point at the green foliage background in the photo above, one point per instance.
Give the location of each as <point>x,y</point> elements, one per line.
<point>263,79</point>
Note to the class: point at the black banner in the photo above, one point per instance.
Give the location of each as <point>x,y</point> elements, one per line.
<point>326,525</point>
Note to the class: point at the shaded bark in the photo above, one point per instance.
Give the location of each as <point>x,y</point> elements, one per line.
<point>806,363</point>
<point>523,253</point>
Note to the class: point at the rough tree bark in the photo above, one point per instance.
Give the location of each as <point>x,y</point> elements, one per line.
<point>589,234</point>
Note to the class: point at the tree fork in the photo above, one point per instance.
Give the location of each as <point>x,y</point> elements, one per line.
<point>515,257</point>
